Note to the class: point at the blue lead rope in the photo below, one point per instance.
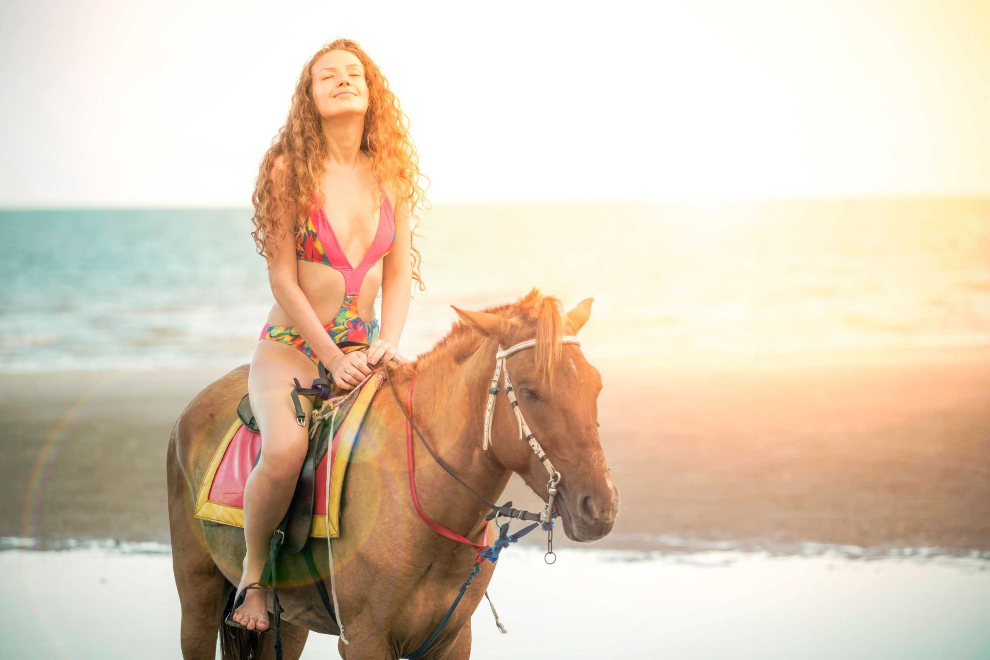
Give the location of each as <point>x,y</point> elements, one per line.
<point>491,554</point>
<point>504,539</point>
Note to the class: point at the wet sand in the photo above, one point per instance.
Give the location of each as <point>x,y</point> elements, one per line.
<point>876,450</point>
<point>591,604</point>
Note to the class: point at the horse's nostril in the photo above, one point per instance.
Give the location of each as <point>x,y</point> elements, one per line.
<point>588,506</point>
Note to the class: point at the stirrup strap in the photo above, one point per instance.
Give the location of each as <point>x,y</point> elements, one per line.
<point>321,387</point>
<point>278,537</point>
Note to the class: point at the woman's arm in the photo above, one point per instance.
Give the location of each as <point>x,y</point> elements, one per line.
<point>397,279</point>
<point>283,278</point>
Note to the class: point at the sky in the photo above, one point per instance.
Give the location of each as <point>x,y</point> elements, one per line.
<point>174,104</point>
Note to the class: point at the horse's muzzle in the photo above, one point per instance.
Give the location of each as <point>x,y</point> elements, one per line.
<point>588,516</point>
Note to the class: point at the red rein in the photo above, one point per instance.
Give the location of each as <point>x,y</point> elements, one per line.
<point>437,527</point>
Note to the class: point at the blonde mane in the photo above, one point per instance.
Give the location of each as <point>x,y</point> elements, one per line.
<point>543,313</point>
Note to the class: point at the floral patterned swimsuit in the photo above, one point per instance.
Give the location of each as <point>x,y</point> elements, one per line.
<point>319,244</point>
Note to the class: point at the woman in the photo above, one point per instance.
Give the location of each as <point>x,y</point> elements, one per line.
<point>343,151</point>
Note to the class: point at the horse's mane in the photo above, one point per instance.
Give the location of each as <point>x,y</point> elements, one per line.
<point>542,313</point>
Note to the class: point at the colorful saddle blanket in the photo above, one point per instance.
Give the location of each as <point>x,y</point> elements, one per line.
<point>221,494</point>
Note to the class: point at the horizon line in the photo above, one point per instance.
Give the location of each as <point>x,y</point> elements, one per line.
<point>683,199</point>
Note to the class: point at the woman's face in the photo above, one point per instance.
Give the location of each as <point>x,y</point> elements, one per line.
<point>339,86</point>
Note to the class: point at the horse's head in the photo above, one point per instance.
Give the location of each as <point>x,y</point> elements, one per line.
<point>557,393</point>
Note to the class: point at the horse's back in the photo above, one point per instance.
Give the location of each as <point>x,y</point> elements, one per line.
<point>202,424</point>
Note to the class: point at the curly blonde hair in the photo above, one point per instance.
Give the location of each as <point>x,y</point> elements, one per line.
<point>385,137</point>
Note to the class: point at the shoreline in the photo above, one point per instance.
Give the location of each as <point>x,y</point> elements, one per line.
<point>714,359</point>
<point>669,547</point>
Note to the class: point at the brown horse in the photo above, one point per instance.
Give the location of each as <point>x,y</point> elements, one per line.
<point>396,577</point>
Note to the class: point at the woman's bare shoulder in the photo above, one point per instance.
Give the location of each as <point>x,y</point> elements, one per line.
<point>400,210</point>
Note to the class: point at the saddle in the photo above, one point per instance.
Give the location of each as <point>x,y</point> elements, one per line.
<point>314,510</point>
<point>298,518</point>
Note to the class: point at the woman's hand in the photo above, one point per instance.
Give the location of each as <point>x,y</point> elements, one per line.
<point>349,369</point>
<point>380,349</point>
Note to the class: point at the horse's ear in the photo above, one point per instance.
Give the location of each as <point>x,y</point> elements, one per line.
<point>577,317</point>
<point>490,325</point>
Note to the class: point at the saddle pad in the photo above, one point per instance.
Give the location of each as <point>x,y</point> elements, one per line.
<point>221,494</point>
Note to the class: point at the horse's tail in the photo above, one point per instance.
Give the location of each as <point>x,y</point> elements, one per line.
<point>237,643</point>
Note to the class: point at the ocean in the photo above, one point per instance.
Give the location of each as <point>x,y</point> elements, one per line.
<point>179,288</point>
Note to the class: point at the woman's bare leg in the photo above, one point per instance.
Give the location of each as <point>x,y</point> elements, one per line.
<point>271,484</point>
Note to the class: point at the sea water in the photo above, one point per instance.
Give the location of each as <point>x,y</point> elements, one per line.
<point>176,288</point>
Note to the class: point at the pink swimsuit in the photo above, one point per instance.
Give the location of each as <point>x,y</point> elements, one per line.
<point>319,244</point>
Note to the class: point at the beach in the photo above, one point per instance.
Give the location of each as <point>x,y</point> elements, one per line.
<point>867,452</point>
<point>796,412</point>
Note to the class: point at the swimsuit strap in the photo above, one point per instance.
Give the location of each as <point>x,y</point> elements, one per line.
<point>333,254</point>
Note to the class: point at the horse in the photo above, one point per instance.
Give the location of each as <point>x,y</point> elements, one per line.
<point>394,575</point>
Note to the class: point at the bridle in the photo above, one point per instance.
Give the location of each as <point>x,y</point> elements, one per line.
<point>545,517</point>
<point>524,430</point>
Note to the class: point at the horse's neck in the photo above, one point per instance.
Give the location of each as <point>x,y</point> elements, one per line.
<point>451,415</point>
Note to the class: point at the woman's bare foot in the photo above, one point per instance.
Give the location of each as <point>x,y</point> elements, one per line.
<point>253,612</point>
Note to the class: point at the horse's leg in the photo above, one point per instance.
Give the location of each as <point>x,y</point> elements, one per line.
<point>461,646</point>
<point>442,649</point>
<point>293,641</point>
<point>366,649</point>
<point>379,647</point>
<point>203,589</point>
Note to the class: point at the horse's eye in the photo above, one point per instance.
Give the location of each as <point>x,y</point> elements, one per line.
<point>530,394</point>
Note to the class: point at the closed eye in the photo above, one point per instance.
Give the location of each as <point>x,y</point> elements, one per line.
<point>530,394</point>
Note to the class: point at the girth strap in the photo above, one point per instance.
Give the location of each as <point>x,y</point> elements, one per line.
<point>307,554</point>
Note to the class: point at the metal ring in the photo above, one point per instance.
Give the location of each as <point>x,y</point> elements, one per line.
<point>550,558</point>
